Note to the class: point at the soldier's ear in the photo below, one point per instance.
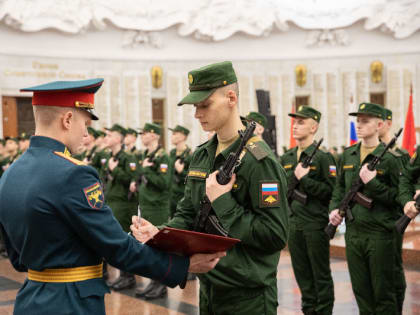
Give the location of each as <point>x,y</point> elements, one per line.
<point>67,119</point>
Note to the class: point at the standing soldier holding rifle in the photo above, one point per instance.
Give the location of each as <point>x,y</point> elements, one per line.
<point>311,177</point>
<point>251,205</point>
<point>120,169</point>
<point>371,210</point>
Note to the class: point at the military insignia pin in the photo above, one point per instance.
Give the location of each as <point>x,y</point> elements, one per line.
<point>94,196</point>
<point>269,194</point>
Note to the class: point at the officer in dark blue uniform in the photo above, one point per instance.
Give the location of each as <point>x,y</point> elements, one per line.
<point>56,223</point>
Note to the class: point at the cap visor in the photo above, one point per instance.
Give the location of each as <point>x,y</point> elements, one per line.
<point>92,113</point>
<point>294,115</point>
<point>195,97</point>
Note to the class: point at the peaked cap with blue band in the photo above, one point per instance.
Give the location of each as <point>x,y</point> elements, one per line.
<point>78,94</point>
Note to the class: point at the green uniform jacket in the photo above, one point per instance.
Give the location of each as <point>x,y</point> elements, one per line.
<point>178,180</point>
<point>410,181</point>
<point>318,185</point>
<point>99,162</point>
<point>382,189</point>
<point>154,188</point>
<point>258,218</point>
<point>118,181</point>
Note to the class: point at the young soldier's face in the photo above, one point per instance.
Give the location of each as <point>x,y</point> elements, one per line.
<point>129,139</point>
<point>112,138</point>
<point>303,127</point>
<point>214,112</point>
<point>148,137</point>
<point>11,146</point>
<point>88,139</point>
<point>386,126</point>
<point>259,130</point>
<point>367,126</point>
<point>177,137</point>
<point>81,120</point>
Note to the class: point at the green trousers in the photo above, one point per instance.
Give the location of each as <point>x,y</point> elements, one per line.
<point>238,301</point>
<point>400,284</point>
<point>371,261</point>
<point>310,254</point>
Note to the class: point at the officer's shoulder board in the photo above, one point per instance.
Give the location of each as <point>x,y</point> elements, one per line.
<point>413,158</point>
<point>255,146</point>
<point>160,152</point>
<point>69,158</point>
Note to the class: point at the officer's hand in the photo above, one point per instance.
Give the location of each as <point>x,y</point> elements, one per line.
<point>410,209</point>
<point>214,190</point>
<point>335,218</point>
<point>202,263</point>
<point>144,230</point>
<point>179,167</point>
<point>365,175</point>
<point>112,163</point>
<point>133,187</point>
<point>147,163</point>
<point>416,194</point>
<point>300,171</point>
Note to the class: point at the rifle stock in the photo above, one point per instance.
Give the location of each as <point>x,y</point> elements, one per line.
<point>404,221</point>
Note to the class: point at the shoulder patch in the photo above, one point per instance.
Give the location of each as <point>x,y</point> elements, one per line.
<point>332,171</point>
<point>69,158</point>
<point>269,194</point>
<point>94,195</point>
<point>254,145</point>
<point>163,167</point>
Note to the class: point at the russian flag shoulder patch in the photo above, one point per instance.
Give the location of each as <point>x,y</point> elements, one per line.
<point>269,194</point>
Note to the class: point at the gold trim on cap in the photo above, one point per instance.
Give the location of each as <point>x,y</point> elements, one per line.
<point>362,106</point>
<point>83,105</point>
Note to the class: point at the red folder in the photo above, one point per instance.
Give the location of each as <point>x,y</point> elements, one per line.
<point>187,243</point>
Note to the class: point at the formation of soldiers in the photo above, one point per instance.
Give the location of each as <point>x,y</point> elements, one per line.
<point>256,211</point>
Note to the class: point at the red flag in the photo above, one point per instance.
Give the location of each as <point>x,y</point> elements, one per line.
<point>409,135</point>
<point>292,142</point>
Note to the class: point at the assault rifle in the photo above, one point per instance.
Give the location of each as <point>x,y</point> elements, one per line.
<point>404,221</point>
<point>292,192</point>
<point>354,195</point>
<point>181,159</point>
<point>206,220</point>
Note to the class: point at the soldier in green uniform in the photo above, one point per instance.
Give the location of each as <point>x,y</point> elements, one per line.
<point>153,193</point>
<point>409,186</point>
<point>120,169</point>
<point>12,152</point>
<point>179,161</point>
<point>370,239</point>
<point>251,207</point>
<point>101,156</point>
<point>24,142</point>
<point>385,136</point>
<point>59,232</point>
<point>309,245</point>
<point>130,142</point>
<point>260,120</point>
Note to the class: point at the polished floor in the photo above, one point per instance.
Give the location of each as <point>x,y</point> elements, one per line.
<point>186,301</point>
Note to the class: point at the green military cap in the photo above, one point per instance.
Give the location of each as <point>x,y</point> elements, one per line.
<point>257,117</point>
<point>118,128</point>
<point>370,109</point>
<point>205,80</point>
<point>24,136</point>
<point>100,133</point>
<point>388,113</point>
<point>181,129</point>
<point>93,132</point>
<point>151,127</point>
<point>307,112</point>
<point>15,139</point>
<point>131,131</point>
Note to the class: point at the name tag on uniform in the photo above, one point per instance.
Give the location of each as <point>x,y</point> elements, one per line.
<point>348,167</point>
<point>287,166</point>
<point>197,174</point>
<point>312,168</point>
<point>380,172</point>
